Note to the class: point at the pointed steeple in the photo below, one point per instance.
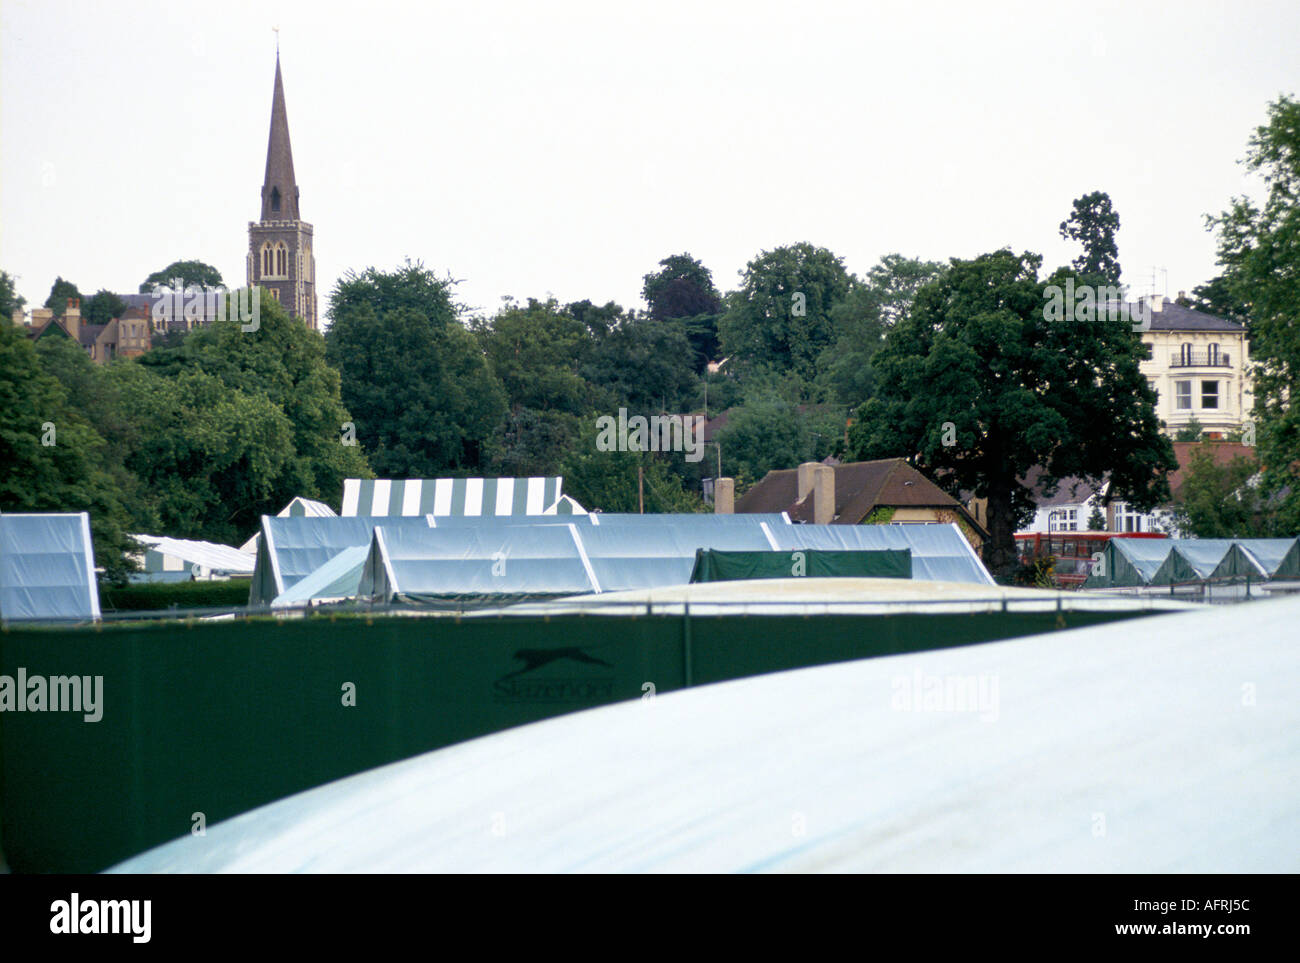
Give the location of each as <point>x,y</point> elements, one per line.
<point>280,190</point>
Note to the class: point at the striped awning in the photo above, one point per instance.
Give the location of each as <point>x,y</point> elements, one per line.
<point>386,497</point>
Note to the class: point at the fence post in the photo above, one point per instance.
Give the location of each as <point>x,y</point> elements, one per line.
<point>686,643</point>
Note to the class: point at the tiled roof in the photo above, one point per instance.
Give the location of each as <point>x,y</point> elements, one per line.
<point>1175,317</point>
<point>860,487</point>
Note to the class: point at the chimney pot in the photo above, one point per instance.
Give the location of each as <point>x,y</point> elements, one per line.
<point>724,496</point>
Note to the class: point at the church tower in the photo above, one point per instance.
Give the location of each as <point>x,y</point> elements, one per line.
<point>280,257</point>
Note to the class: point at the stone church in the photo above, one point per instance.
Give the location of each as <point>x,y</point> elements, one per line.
<point>280,257</point>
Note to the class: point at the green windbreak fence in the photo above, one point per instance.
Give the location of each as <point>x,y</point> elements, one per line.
<point>716,566</point>
<point>202,721</point>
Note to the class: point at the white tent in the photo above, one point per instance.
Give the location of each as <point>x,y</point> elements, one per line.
<point>299,507</point>
<point>47,568</point>
<point>186,558</point>
<point>1168,744</point>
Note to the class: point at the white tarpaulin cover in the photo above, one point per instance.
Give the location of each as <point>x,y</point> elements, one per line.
<point>181,554</point>
<point>47,568</point>
<point>501,557</point>
<point>940,553</point>
<point>1130,747</point>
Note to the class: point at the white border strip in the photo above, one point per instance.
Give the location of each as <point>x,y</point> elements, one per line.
<point>582,553</point>
<point>90,566</point>
<point>771,539</point>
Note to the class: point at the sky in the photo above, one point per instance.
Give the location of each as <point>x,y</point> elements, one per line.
<point>562,149</point>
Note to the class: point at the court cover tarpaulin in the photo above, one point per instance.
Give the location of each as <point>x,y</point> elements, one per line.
<point>47,568</point>
<point>715,566</point>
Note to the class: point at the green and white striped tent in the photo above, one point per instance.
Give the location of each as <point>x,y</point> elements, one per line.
<point>387,497</point>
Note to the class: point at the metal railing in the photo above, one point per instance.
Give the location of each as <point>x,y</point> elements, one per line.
<point>1202,358</point>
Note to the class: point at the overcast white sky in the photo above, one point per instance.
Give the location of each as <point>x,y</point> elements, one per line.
<point>565,148</point>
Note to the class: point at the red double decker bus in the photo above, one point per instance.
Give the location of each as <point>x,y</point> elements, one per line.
<point>1074,551</point>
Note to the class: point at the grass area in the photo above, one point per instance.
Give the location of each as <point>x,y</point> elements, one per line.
<point>165,595</point>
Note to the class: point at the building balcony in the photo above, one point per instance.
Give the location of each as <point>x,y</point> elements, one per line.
<point>1200,359</point>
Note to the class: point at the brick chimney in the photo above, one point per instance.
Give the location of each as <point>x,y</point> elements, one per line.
<point>823,494</point>
<point>72,319</point>
<point>724,496</point>
<point>805,478</point>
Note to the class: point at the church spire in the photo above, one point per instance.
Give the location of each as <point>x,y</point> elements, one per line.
<point>280,190</point>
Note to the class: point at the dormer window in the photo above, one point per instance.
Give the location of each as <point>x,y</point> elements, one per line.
<point>275,200</point>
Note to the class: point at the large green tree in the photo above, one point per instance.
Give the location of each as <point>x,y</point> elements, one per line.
<point>862,319</point>
<point>60,291</point>
<point>191,273</point>
<point>1222,500</point>
<point>10,299</point>
<point>683,290</point>
<point>977,385</point>
<point>102,307</point>
<point>780,318</point>
<point>1094,224</point>
<point>424,401</point>
<point>51,459</point>
<point>1259,248</point>
<point>644,364</point>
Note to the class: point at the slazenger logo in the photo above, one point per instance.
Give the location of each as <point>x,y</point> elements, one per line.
<point>515,688</point>
<point>102,916</point>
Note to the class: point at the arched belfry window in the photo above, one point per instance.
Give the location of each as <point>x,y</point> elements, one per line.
<point>275,200</point>
<point>267,265</point>
<point>281,260</point>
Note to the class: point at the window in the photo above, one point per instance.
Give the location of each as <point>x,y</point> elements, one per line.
<point>1126,519</point>
<point>1062,520</point>
<point>275,200</point>
<point>281,260</point>
<point>267,270</point>
<point>1213,354</point>
<point>1209,394</point>
<point>1185,354</point>
<point>1183,395</point>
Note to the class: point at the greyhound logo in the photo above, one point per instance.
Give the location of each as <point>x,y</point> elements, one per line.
<point>546,688</point>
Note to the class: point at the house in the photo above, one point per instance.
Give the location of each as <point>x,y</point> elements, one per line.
<point>887,491</point>
<point>1071,507</point>
<point>1199,367</point>
<point>125,337</point>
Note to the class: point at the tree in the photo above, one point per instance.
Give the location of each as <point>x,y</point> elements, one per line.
<point>191,273</point>
<point>102,307</point>
<point>781,317</point>
<point>60,291</point>
<point>51,460</point>
<point>10,299</point>
<point>606,481</point>
<point>1259,249</point>
<point>1096,521</point>
<point>682,288</point>
<point>1222,500</point>
<point>209,456</point>
<point>421,394</point>
<point>1214,297</point>
<point>769,432</point>
<point>1192,431</point>
<point>645,365</point>
<point>284,362</point>
<point>1094,224</point>
<point>861,320</point>
<point>977,385</point>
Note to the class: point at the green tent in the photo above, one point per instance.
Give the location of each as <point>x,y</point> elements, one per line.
<point>715,566</point>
